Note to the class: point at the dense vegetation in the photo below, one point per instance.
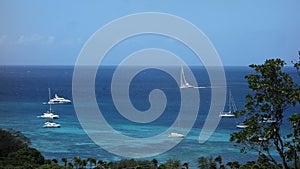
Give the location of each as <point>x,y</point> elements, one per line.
<point>15,153</point>
<point>274,91</point>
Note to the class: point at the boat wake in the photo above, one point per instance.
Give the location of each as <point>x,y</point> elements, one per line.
<point>201,87</point>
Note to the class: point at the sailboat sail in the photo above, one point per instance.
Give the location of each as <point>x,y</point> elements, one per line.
<point>183,81</point>
<point>233,105</point>
<point>49,114</point>
<point>232,108</point>
<point>185,84</point>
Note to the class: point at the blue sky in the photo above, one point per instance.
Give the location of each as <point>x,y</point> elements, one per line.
<point>52,32</point>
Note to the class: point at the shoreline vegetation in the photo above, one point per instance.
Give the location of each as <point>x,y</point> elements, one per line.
<point>273,92</point>
<point>16,153</point>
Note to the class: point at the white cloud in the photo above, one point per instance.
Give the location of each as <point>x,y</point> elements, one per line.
<point>73,41</point>
<point>28,39</point>
<point>3,39</point>
<point>50,40</point>
<point>38,39</point>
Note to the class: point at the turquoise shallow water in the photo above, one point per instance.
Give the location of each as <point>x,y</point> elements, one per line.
<point>24,89</point>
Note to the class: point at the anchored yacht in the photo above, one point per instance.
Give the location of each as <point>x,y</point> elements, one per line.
<point>232,108</point>
<point>59,100</point>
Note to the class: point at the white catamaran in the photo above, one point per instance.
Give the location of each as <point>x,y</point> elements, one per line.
<point>50,113</point>
<point>232,108</point>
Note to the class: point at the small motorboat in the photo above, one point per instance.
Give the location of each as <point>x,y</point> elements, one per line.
<point>269,120</point>
<point>176,135</point>
<point>228,114</point>
<point>50,124</point>
<point>241,126</point>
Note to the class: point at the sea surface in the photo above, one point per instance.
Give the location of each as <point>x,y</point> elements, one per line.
<point>24,89</point>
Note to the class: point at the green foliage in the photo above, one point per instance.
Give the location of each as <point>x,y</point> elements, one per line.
<point>173,163</point>
<point>145,164</point>
<point>155,163</point>
<point>27,155</point>
<point>234,165</point>
<point>15,153</point>
<point>293,141</point>
<point>92,161</point>
<point>51,166</point>
<point>65,161</point>
<point>261,163</point>
<point>273,93</point>
<point>23,157</point>
<point>76,161</point>
<point>11,141</point>
<point>209,163</point>
<point>297,64</point>
<point>185,166</point>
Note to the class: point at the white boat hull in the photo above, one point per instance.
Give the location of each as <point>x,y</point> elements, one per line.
<point>51,125</point>
<point>176,135</point>
<point>45,117</point>
<point>49,115</point>
<point>58,100</point>
<point>241,126</point>
<point>226,115</point>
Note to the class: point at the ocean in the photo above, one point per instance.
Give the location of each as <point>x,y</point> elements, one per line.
<point>24,89</point>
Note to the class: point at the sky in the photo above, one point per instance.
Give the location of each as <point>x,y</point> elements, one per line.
<point>53,32</point>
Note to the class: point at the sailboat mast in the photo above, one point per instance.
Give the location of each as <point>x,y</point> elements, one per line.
<point>49,98</point>
<point>233,104</point>
<point>229,99</point>
<point>181,77</point>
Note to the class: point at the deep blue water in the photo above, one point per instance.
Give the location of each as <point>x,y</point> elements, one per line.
<point>23,89</point>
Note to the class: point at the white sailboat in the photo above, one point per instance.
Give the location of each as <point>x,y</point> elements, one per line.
<point>50,113</point>
<point>183,83</point>
<point>232,108</point>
